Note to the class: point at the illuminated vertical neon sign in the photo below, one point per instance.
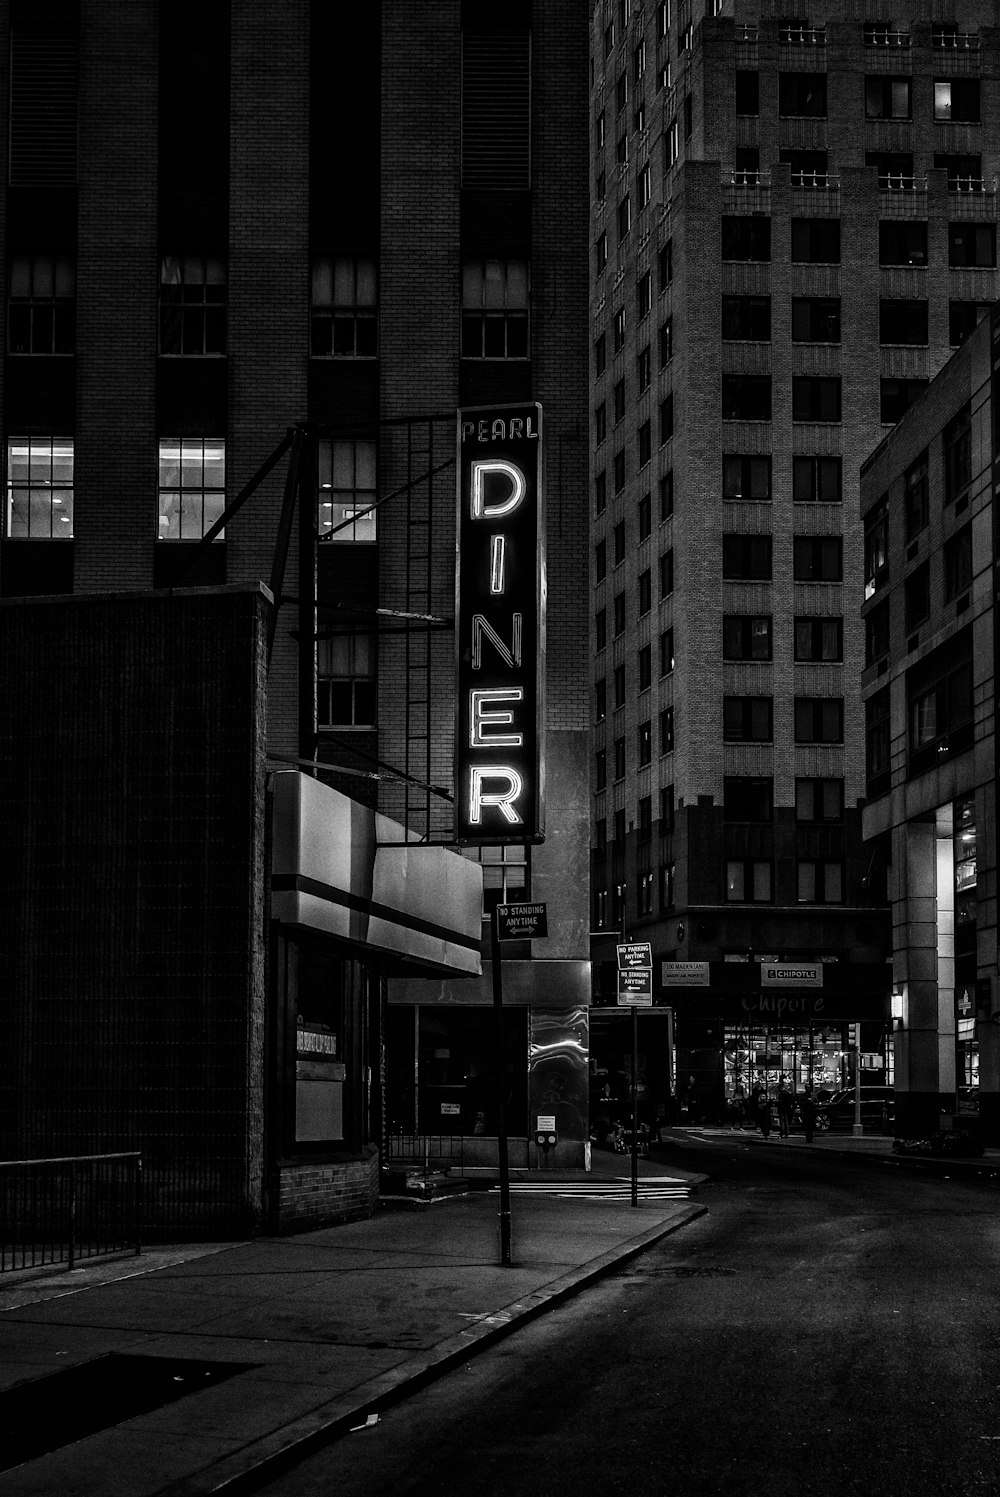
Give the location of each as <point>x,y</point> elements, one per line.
<point>500,626</point>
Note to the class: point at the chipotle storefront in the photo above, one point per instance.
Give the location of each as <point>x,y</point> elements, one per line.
<point>740,1023</point>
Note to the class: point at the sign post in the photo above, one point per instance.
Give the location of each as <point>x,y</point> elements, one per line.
<point>511,922</point>
<point>635,987</point>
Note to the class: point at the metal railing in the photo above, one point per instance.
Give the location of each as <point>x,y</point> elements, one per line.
<point>428,1150</point>
<point>65,1209</point>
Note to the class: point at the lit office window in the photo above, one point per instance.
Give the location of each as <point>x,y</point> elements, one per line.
<point>192,486</point>
<point>40,489</point>
<point>347,490</point>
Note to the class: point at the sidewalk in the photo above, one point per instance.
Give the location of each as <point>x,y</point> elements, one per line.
<point>323,1328</point>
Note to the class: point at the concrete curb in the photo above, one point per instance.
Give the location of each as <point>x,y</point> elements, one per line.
<point>262,1461</point>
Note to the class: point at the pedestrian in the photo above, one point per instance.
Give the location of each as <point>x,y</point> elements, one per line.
<point>807,1111</point>
<point>760,1109</point>
<point>785,1103</point>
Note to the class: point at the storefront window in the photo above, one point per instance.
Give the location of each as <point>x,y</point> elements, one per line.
<point>320,1069</point>
<point>443,1071</point>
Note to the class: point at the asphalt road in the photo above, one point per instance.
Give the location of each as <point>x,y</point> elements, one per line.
<point>831,1326</point>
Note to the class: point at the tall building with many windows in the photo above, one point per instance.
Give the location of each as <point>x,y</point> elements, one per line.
<point>793,226</point>
<point>266,253</point>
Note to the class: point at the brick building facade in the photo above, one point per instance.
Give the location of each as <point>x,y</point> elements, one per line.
<point>793,226</point>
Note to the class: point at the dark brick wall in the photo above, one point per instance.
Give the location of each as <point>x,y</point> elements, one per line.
<point>131,955</point>
<point>313,1195</point>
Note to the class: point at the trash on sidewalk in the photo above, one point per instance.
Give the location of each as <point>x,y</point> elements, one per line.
<point>372,1419</point>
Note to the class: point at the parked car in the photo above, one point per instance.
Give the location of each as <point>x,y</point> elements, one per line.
<point>876,1107</point>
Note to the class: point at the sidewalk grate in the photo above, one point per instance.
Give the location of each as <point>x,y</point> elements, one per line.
<point>50,1412</point>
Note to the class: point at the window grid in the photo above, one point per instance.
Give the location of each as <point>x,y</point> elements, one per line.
<point>42,307</point>
<point>192,487</point>
<point>40,488</point>
<point>192,305</point>
<point>347,490</point>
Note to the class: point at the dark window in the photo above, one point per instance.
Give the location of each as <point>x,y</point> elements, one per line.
<point>819,881</point>
<point>819,800</point>
<point>666,342</point>
<point>619,542</point>
<point>917,597</point>
<point>619,753</point>
<point>877,632</point>
<point>746,397</point>
<point>645,591</point>
<point>972,245</point>
<point>747,720</point>
<point>624,217</point>
<point>958,563</point>
<point>809,168</point>
<point>645,663</point>
<point>746,636</point>
<point>746,238</point>
<point>902,241</point>
<point>494,309</point>
<point>816,241</point>
<point>887,97</point>
<point>957,442</point>
<point>618,681</point>
<point>643,296</point>
<point>819,720</point>
<point>896,396</point>
<point>619,471</point>
<point>746,557</point>
<point>815,397</point>
<point>747,798</point>
<point>746,318</point>
<point>600,355</point>
<point>817,478</point>
<point>41,312</point>
<point>600,493</point>
<point>688,117</point>
<point>965,170</point>
<point>749,880</point>
<point>802,95</point>
<point>619,331</point>
<point>939,703</point>
<point>601,253</point>
<point>600,628</point>
<point>644,743</point>
<point>956,99</point>
<point>600,561</point>
<point>746,477</point>
<point>600,769</point>
<point>666,652</point>
<point>819,638</point>
<point>643,370</point>
<point>817,558</point>
<point>902,321</point>
<point>621,92</point>
<point>747,171</point>
<point>916,496</point>
<point>666,419</point>
<point>645,517</point>
<point>601,699</point>
<point>193,305</point>
<point>644,808</point>
<point>963,319</point>
<point>667,573</point>
<point>621,613</point>
<point>877,743</point>
<point>747,92</point>
<point>816,319</point>
<point>894,168</point>
<point>876,546</point>
<point>667,730</point>
<point>665,262</point>
<point>600,423</point>
<point>618,398</point>
<point>645,444</point>
<point>667,495</point>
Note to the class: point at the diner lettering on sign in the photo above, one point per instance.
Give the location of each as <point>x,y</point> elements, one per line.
<point>500,626</point>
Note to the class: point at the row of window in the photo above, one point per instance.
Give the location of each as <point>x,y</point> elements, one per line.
<point>748,881</point>
<point>816,241</point>
<point>816,319</point>
<point>956,580</point>
<point>193,307</point>
<point>816,398</point>
<point>746,719</point>
<point>888,96</point>
<point>191,488</point>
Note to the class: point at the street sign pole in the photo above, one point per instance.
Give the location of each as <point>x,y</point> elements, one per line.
<point>635,1105</point>
<point>501,1086</point>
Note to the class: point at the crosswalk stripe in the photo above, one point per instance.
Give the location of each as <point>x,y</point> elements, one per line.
<point>665,1189</point>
